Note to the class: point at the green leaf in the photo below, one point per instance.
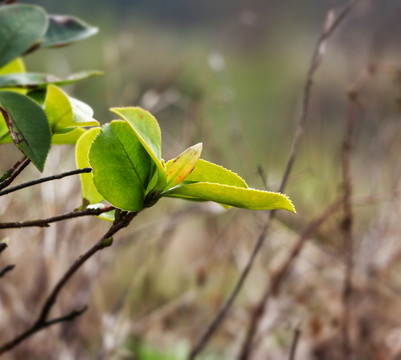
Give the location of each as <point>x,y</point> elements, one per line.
<point>179,168</point>
<point>64,30</point>
<point>232,196</point>
<point>68,138</point>
<point>28,126</point>
<point>84,143</point>
<point>15,66</point>
<point>21,26</point>
<point>148,132</point>
<point>208,172</point>
<point>39,81</point>
<point>65,113</point>
<point>121,166</point>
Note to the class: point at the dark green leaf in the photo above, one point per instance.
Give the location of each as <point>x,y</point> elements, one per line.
<point>38,81</point>
<point>21,26</point>
<point>64,30</point>
<point>28,126</point>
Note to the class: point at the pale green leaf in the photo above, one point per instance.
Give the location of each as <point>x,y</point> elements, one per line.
<point>68,138</point>
<point>206,171</point>
<point>232,196</point>
<point>65,113</point>
<point>15,66</point>
<point>121,166</point>
<point>89,191</point>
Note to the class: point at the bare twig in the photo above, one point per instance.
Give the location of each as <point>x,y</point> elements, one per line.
<point>278,277</point>
<point>3,246</point>
<point>47,221</point>
<point>6,269</point>
<point>14,172</point>
<point>42,321</point>
<point>297,334</point>
<point>45,179</point>
<point>329,26</point>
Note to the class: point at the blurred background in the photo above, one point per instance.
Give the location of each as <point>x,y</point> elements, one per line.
<point>230,74</point>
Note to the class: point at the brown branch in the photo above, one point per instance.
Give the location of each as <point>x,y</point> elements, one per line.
<point>6,269</point>
<point>11,175</point>
<point>295,339</point>
<point>105,241</point>
<point>45,179</point>
<point>329,26</point>
<point>46,222</point>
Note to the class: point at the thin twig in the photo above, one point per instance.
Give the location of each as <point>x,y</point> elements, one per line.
<point>347,225</point>
<point>295,339</point>
<point>3,246</point>
<point>42,322</point>
<point>48,221</point>
<point>15,171</point>
<point>314,64</point>
<point>279,275</point>
<point>45,179</point>
<point>6,269</point>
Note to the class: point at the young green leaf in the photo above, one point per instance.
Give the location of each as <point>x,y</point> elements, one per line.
<point>70,137</point>
<point>64,30</point>
<point>121,166</point>
<point>28,126</point>
<point>21,26</point>
<point>208,172</point>
<point>15,66</point>
<point>232,196</point>
<point>40,81</point>
<point>89,191</point>
<point>179,168</point>
<point>65,113</point>
<point>148,132</point>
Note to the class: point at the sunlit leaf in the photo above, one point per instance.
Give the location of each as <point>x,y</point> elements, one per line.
<point>64,30</point>
<point>15,66</point>
<point>65,113</point>
<point>89,191</point>
<point>28,126</point>
<point>21,26</point>
<point>68,138</point>
<point>39,81</point>
<point>148,132</point>
<point>232,196</point>
<point>121,166</point>
<point>206,171</point>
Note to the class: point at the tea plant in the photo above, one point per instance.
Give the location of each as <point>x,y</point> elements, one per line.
<point>121,166</point>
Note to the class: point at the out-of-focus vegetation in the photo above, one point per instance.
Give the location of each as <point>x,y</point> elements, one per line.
<point>230,74</point>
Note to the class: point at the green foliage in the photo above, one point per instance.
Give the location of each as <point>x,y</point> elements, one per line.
<point>125,155</point>
<point>21,27</point>
<point>129,173</point>
<point>28,126</point>
<point>40,81</point>
<point>34,120</point>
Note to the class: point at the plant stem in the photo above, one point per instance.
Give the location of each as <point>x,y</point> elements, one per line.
<point>18,167</point>
<point>46,222</point>
<point>45,179</point>
<point>42,322</point>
